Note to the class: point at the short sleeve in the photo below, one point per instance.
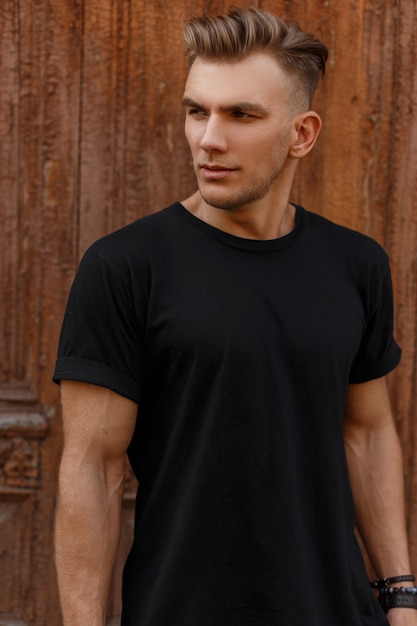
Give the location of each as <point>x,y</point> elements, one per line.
<point>378,353</point>
<point>101,339</point>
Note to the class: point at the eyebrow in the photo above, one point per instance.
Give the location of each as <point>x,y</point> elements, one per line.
<point>237,106</point>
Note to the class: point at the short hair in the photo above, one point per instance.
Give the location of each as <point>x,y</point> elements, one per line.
<point>234,36</point>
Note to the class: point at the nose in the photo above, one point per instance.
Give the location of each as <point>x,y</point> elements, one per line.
<point>213,138</point>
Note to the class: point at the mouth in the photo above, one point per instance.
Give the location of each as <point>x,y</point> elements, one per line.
<point>215,172</point>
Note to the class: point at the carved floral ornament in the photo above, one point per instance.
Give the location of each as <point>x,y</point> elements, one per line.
<point>19,463</point>
<point>20,447</point>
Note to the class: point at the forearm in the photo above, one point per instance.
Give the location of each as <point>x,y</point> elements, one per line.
<point>87,537</point>
<point>376,474</point>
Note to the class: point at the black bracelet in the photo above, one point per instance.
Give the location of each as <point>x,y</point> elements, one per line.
<point>397,600</point>
<point>376,584</point>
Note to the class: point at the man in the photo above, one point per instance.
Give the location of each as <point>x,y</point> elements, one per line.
<point>236,345</point>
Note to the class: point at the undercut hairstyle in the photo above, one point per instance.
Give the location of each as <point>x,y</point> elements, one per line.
<point>233,37</point>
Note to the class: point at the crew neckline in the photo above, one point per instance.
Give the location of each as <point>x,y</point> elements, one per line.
<point>252,245</point>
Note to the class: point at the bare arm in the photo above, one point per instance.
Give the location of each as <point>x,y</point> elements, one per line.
<point>98,425</point>
<point>376,475</point>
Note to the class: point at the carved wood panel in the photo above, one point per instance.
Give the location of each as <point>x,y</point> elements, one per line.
<point>21,438</point>
<point>91,137</point>
<point>38,166</point>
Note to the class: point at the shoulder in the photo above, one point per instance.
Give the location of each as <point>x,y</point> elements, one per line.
<point>140,233</point>
<point>351,245</point>
<point>133,245</point>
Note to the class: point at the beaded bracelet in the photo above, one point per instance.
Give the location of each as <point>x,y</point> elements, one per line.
<point>410,590</point>
<point>377,584</point>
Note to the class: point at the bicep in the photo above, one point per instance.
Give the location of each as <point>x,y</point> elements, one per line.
<point>98,423</point>
<point>367,408</point>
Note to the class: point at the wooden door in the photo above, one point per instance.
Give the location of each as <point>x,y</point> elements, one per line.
<point>91,138</point>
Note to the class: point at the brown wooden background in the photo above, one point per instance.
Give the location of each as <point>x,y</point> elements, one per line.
<point>91,138</point>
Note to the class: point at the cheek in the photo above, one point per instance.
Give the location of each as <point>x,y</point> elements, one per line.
<point>267,152</point>
<point>279,148</point>
<point>267,143</point>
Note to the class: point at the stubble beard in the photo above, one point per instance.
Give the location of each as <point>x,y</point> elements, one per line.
<point>243,197</point>
<point>256,190</point>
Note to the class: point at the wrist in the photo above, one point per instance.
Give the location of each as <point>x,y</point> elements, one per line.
<point>396,592</point>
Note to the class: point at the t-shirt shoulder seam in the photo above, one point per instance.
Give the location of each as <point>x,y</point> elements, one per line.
<point>95,249</point>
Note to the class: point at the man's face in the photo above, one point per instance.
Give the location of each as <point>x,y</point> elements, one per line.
<point>239,125</point>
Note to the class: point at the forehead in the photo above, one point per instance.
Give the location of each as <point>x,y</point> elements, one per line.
<point>256,78</point>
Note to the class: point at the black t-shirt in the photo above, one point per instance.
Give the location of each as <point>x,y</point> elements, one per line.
<point>239,353</point>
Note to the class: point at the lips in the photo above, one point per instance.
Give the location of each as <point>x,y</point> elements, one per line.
<point>215,172</point>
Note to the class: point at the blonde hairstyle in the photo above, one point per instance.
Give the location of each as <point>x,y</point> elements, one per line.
<point>234,36</point>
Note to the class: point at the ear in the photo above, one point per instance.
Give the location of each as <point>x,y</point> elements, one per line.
<point>307,127</point>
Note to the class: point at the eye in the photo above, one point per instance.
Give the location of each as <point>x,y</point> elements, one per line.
<point>195,112</point>
<point>241,115</point>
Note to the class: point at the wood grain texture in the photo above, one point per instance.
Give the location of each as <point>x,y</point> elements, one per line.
<point>402,242</point>
<point>38,208</point>
<point>10,367</point>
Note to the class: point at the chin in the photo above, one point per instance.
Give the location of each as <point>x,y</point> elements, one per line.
<point>218,200</point>
<point>225,204</point>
